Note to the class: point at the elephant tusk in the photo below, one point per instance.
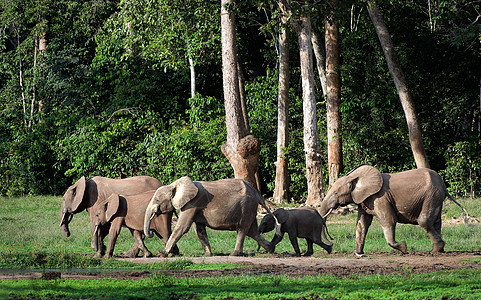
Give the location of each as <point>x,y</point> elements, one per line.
<point>152,216</point>
<point>67,220</point>
<point>61,221</point>
<point>328,213</point>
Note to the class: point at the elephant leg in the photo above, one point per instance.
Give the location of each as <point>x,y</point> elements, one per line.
<point>295,245</point>
<point>239,244</point>
<point>389,228</point>
<point>319,242</point>
<point>202,235</point>
<point>433,229</point>
<point>135,249</point>
<point>364,220</point>
<point>163,229</point>
<point>139,241</point>
<point>98,239</point>
<point>275,240</point>
<point>254,233</point>
<point>186,218</point>
<point>114,232</point>
<point>310,249</point>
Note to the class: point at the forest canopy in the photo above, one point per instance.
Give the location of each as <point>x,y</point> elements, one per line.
<point>105,88</point>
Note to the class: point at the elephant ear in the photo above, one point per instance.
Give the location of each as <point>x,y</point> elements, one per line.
<point>75,195</point>
<point>184,191</point>
<point>366,181</point>
<point>112,203</point>
<point>281,215</point>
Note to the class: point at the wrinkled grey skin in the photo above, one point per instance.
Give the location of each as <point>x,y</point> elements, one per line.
<point>229,204</point>
<point>128,211</point>
<point>303,222</point>
<point>410,197</point>
<point>85,193</point>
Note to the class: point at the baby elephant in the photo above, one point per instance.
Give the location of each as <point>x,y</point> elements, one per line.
<point>303,222</point>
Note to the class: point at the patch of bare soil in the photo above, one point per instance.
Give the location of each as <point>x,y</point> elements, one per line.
<point>282,264</point>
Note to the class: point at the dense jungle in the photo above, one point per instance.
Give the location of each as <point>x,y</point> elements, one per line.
<point>103,87</point>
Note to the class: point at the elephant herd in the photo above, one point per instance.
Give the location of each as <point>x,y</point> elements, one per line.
<point>146,207</point>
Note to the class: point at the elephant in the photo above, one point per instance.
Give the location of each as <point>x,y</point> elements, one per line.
<point>304,222</point>
<point>85,193</point>
<point>128,211</point>
<point>227,204</point>
<point>409,197</point>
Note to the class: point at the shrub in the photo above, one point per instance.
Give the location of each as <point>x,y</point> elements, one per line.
<point>463,168</point>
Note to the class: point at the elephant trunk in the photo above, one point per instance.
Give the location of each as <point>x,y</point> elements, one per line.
<point>65,218</point>
<point>149,214</point>
<point>98,238</point>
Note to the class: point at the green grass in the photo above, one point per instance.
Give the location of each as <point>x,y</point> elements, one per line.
<point>457,284</point>
<point>30,225</point>
<point>31,238</point>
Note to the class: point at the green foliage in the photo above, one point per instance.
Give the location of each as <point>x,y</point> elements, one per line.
<point>114,90</point>
<point>463,168</point>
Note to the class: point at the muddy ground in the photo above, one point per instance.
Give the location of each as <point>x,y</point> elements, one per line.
<point>340,265</point>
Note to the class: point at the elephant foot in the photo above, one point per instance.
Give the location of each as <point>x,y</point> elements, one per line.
<point>131,253</point>
<point>236,253</point>
<point>307,254</point>
<point>175,250</point>
<point>402,247</point>
<point>162,253</point>
<point>147,254</point>
<point>328,249</point>
<point>359,254</point>
<point>438,248</point>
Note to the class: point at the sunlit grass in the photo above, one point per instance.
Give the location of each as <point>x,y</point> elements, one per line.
<point>31,224</point>
<point>456,284</point>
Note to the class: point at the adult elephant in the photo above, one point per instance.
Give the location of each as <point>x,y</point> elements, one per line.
<point>410,197</point>
<point>85,193</point>
<point>228,204</point>
<point>129,211</point>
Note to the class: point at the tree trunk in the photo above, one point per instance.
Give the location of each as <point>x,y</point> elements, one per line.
<point>192,77</point>
<point>312,148</point>
<point>42,49</point>
<point>281,189</point>
<point>333,69</point>
<point>241,149</point>
<point>320,55</point>
<point>415,136</point>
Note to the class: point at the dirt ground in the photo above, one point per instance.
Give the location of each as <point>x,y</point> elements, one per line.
<point>340,265</point>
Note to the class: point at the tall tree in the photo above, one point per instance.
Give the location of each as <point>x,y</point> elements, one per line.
<point>320,55</point>
<point>394,65</point>
<point>281,189</point>
<point>333,80</point>
<point>312,148</point>
<point>241,148</point>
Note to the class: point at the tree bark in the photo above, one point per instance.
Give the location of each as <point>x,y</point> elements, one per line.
<point>281,189</point>
<point>241,148</point>
<point>312,148</point>
<point>192,77</point>
<point>320,55</point>
<point>333,70</point>
<point>415,136</point>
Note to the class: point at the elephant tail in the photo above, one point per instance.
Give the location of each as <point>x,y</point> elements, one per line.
<point>466,216</point>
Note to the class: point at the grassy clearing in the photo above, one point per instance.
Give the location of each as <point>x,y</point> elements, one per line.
<point>30,225</point>
<point>31,238</point>
<point>460,284</point>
